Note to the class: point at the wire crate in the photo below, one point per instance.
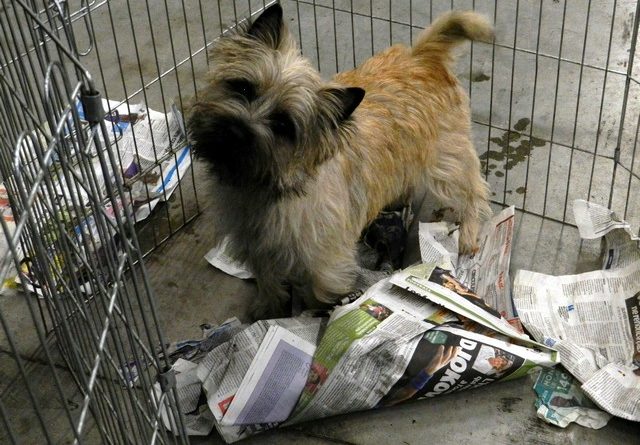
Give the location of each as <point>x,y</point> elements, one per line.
<point>99,174</point>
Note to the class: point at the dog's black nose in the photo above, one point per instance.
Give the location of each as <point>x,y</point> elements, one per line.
<point>229,145</point>
<point>232,134</point>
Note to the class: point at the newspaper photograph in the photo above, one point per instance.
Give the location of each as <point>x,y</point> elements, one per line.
<point>441,287</point>
<point>487,272</point>
<point>449,359</point>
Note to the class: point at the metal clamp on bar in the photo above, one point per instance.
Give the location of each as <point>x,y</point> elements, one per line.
<point>92,106</point>
<point>167,379</point>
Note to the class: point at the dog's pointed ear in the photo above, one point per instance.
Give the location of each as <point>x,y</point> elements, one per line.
<point>268,26</point>
<point>346,100</point>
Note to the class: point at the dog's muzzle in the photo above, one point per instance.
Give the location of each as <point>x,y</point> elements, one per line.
<point>229,145</point>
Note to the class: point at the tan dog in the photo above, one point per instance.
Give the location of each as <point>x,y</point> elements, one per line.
<point>302,165</point>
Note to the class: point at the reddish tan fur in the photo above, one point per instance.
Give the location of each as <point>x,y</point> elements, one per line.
<point>411,129</point>
<point>414,124</point>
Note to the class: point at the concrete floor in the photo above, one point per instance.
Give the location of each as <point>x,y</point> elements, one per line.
<point>512,136</point>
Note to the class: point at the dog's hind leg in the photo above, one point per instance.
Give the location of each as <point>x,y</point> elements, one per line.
<point>454,178</point>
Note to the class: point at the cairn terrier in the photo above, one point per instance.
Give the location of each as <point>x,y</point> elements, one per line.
<point>301,165</point>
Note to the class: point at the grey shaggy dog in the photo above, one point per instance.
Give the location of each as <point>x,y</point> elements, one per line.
<point>301,165</point>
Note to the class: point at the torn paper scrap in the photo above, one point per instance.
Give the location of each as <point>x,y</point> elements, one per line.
<point>439,243</point>
<point>561,401</point>
<point>487,272</point>
<point>221,258</point>
<point>198,419</point>
<point>616,388</point>
<point>594,220</point>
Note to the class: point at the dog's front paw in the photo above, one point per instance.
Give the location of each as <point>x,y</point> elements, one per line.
<point>261,309</point>
<point>468,242</point>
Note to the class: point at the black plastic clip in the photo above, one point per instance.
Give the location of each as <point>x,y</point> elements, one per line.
<point>92,107</point>
<point>167,379</point>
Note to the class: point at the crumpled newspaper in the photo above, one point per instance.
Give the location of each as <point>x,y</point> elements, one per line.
<point>561,401</point>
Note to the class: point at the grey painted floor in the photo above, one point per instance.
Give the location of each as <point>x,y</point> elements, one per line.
<point>547,132</point>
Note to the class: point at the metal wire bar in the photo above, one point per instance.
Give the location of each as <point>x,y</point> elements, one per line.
<point>602,98</point>
<point>533,103</point>
<point>335,35</point>
<point>555,108</point>
<point>623,110</point>
<point>575,121</point>
<point>353,34</point>
<point>371,25</point>
<point>315,26</point>
<point>513,69</point>
<point>491,91</point>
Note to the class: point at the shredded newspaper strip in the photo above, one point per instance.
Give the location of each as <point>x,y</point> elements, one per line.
<point>592,319</point>
<point>221,258</point>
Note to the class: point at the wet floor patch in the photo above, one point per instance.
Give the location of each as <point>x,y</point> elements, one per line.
<point>515,147</point>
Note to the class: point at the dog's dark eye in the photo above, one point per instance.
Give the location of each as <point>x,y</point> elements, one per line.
<point>283,126</point>
<point>242,88</point>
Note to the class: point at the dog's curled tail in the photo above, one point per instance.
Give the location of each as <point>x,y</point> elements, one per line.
<point>451,29</point>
